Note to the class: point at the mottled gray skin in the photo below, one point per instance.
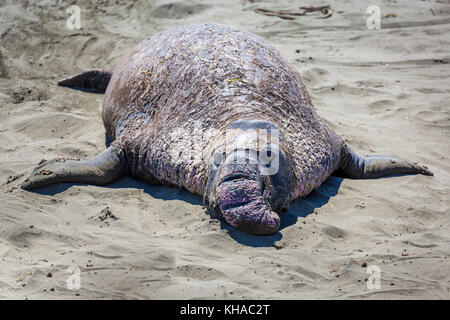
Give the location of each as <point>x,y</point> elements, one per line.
<point>170,101</point>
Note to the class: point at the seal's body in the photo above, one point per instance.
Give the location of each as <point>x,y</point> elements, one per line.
<point>181,99</point>
<point>190,84</point>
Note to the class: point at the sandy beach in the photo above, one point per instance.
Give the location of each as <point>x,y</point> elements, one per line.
<point>385,91</point>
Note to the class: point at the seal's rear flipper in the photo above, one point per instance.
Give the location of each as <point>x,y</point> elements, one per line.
<point>358,167</point>
<point>102,169</point>
<point>92,80</point>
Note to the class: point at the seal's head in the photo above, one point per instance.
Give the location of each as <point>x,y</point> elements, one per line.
<point>249,177</point>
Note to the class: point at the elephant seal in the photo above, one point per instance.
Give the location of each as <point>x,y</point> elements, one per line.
<point>178,108</point>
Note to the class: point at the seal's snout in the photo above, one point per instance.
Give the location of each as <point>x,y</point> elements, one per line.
<point>243,206</point>
<point>249,177</point>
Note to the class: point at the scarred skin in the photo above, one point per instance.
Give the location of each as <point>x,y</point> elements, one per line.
<point>170,102</point>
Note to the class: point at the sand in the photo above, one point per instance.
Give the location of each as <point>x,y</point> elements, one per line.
<point>385,91</point>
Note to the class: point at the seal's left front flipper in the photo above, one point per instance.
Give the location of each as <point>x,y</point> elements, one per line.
<point>102,169</point>
<point>355,166</point>
<point>92,80</point>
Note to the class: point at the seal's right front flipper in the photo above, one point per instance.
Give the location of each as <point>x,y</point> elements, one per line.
<point>92,80</point>
<point>102,169</point>
<point>355,166</point>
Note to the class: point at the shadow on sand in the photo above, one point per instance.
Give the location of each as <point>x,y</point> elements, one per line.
<point>155,191</point>
<point>298,209</point>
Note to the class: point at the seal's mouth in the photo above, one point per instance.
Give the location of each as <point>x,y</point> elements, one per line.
<point>239,194</point>
<point>242,205</point>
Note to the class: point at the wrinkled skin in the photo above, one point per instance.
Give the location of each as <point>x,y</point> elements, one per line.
<point>181,84</point>
<point>177,101</point>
